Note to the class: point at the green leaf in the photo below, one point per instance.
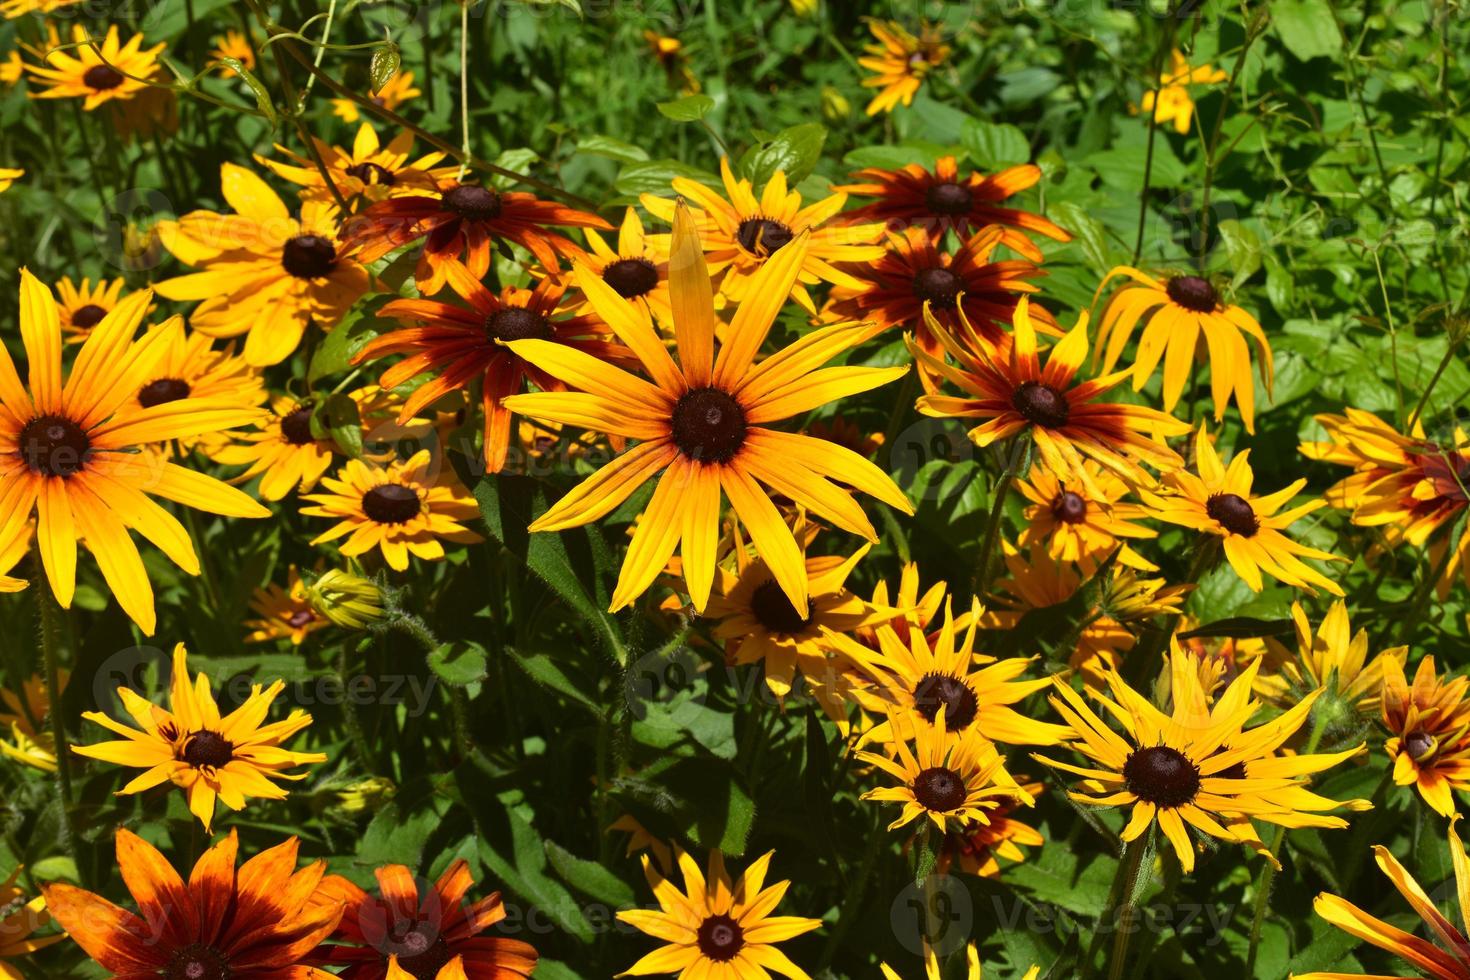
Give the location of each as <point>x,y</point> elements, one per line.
<point>657,177</point>
<point>544,670</point>
<point>459,664</point>
<point>1242,248</point>
<point>341,344</point>
<point>794,151</point>
<point>339,420</point>
<point>614,149</point>
<point>703,799</point>
<point>589,877</point>
<point>386,61</point>
<point>1089,233</point>
<point>526,875</point>
<point>1306,27</point>
<point>691,108</point>
<point>995,145</point>
<point>257,88</point>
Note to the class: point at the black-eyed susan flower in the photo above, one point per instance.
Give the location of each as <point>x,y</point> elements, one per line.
<point>22,919</point>
<point>367,169</point>
<point>1172,103</point>
<point>1428,722</point>
<point>1189,768</point>
<point>916,676</point>
<point>282,451</point>
<point>1447,960</point>
<point>69,452</point>
<point>96,73</point>
<point>702,423</point>
<point>261,272</point>
<point>900,60</point>
<point>235,45</point>
<point>229,758</point>
<point>939,201</point>
<point>1083,522</point>
<point>978,849</point>
<point>1013,392</point>
<point>395,91</point>
<point>950,782</point>
<point>1218,501</point>
<point>1331,657</point>
<point>740,233</point>
<point>462,346</point>
<point>410,507</point>
<point>24,715</point>
<point>716,927</point>
<point>461,223</point>
<point>637,269</point>
<point>283,612</point>
<point>404,932</point>
<point>82,306</point>
<point>973,970</point>
<point>256,922</point>
<point>1186,321</point>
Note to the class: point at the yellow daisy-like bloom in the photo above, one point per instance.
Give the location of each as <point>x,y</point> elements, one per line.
<point>716,927</point>
<point>640,839</point>
<point>9,175</point>
<point>283,452</point>
<point>1171,103</point>
<point>973,970</point>
<point>69,452</point>
<point>900,60</point>
<point>1218,501</point>
<point>99,74</point>
<point>758,623</point>
<point>404,508</point>
<point>637,269</point>
<point>368,170</point>
<point>234,44</point>
<point>261,272</point>
<point>918,676</point>
<point>18,926</point>
<point>1198,765</point>
<point>977,850</point>
<point>1187,321</point>
<point>1332,657</point>
<point>952,782</point>
<point>396,91</point>
<point>25,715</point>
<point>1128,598</point>
<point>702,424</point>
<point>1448,961</point>
<point>1429,725</point>
<point>1076,524</point>
<point>229,759</point>
<point>283,613</point>
<point>83,305</point>
<point>741,233</point>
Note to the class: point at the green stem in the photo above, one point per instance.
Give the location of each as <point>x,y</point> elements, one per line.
<point>464,85</point>
<point>1422,591</point>
<point>985,570</point>
<point>350,721</point>
<point>855,892</point>
<point>1122,904</point>
<point>52,629</point>
<point>1153,127</point>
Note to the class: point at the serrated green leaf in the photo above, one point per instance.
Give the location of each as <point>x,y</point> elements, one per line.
<point>459,664</point>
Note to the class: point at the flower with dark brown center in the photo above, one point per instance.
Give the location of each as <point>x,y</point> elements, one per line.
<point>162,391</point>
<point>939,287</point>
<point>102,78</point>
<point>939,789</point>
<point>1234,513</point>
<point>1041,404</point>
<point>708,425</point>
<point>53,446</point>
<point>773,610</point>
<point>372,173</point>
<point>197,961</point>
<point>309,256</point>
<point>1193,293</point>
<point>518,323</point>
<point>421,953</point>
<point>948,199</point>
<point>1162,776</point>
<point>631,277</point>
<point>391,503</point>
<point>296,426</point>
<point>762,236</point>
<point>1069,508</point>
<point>207,749</point>
<point>720,938</point>
<point>472,202</point>
<point>87,316</point>
<point>1419,745</point>
<point>954,695</point>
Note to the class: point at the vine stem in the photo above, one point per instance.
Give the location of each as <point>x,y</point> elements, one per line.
<point>464,85</point>
<point>52,627</point>
<point>321,49</point>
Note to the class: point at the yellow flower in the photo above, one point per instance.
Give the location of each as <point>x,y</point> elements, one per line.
<point>977,849</point>
<point>637,269</point>
<point>1083,522</point>
<point>1332,658</point>
<point>901,60</point>
<point>20,921</point>
<point>348,600</point>
<point>13,547</point>
<point>1172,102</point>
<point>932,971</point>
<point>367,170</point>
<point>97,73</point>
<point>284,612</point>
<point>82,306</point>
<point>208,756</point>
<point>396,91</point>
<point>9,176</point>
<point>1429,725</point>
<point>26,715</point>
<point>236,45</point>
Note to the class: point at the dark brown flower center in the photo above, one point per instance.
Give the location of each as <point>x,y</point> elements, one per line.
<point>372,173</point>
<point>300,618</point>
<point>773,610</point>
<point>1069,508</point>
<point>421,954</point>
<point>102,78</point>
<point>1418,745</point>
<point>391,503</point>
<point>949,198</point>
<point>87,316</point>
<point>1234,513</point>
<point>939,789</point>
<point>517,323</point>
<point>631,277</point>
<point>472,202</point>
<point>1041,404</point>
<point>197,962</point>
<point>1163,776</point>
<point>708,425</point>
<point>162,391</point>
<point>296,426</point>
<point>54,446</point>
<point>720,938</point>
<point>309,256</point>
<point>762,236</point>
<point>1193,293</point>
<point>208,749</point>
<point>954,695</point>
<point>939,287</point>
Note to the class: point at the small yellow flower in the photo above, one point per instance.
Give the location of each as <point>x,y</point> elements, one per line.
<point>901,60</point>
<point>396,91</point>
<point>1172,102</point>
<point>9,176</point>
